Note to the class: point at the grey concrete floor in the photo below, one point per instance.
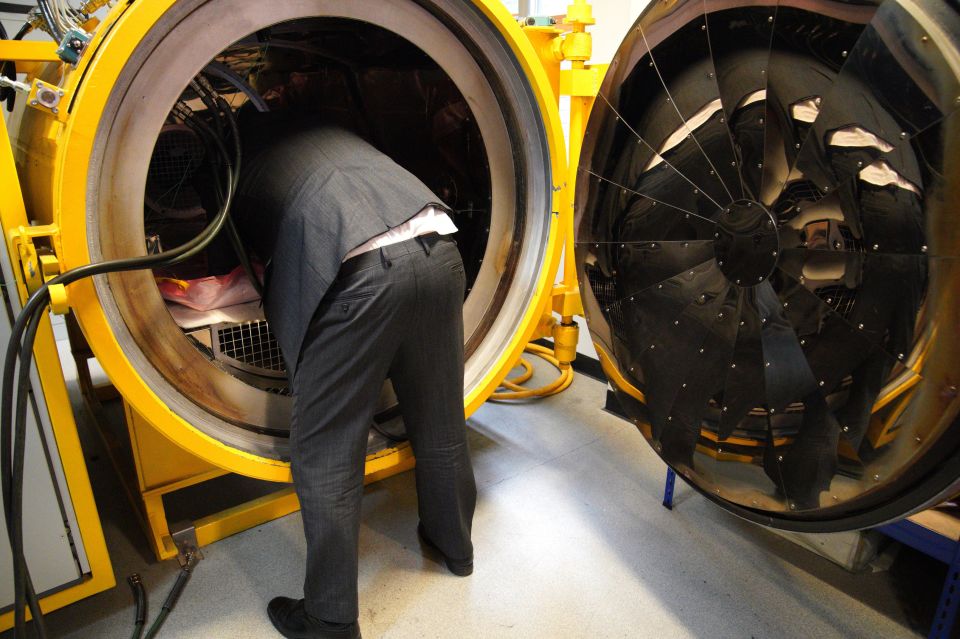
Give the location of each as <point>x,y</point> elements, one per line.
<point>571,541</point>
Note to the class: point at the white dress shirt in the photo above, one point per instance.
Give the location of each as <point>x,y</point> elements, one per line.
<point>429,220</point>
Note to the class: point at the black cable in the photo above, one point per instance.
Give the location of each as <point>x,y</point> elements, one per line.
<point>47,14</point>
<point>24,30</point>
<point>140,601</point>
<point>23,335</point>
<point>23,595</point>
<point>185,571</point>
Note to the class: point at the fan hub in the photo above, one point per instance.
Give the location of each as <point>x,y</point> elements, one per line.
<point>747,243</point>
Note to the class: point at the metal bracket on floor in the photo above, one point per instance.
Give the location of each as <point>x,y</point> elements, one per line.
<point>668,489</point>
<point>184,537</point>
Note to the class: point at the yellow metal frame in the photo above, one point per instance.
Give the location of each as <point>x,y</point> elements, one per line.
<point>169,453</point>
<point>13,215</point>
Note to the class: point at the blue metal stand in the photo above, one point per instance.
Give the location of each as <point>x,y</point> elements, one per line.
<point>668,489</point>
<point>944,549</point>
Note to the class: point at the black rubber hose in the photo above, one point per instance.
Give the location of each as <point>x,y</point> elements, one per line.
<point>170,601</point>
<point>23,595</point>
<point>140,601</point>
<point>22,335</point>
<point>47,14</point>
<point>9,69</point>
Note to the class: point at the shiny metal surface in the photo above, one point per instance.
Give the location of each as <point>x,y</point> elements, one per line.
<point>760,208</point>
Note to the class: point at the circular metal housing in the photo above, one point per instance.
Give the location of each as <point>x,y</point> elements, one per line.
<point>768,254</point>
<point>138,65</point>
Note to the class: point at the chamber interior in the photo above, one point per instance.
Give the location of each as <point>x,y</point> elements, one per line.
<point>332,70</point>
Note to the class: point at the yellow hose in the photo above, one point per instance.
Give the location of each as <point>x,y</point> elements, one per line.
<point>516,391</point>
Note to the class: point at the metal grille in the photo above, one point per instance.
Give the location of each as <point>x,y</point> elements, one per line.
<point>176,158</point>
<point>250,344</point>
<point>605,290</point>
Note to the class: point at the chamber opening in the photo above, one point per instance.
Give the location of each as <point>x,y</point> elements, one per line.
<point>429,83</point>
<point>321,70</point>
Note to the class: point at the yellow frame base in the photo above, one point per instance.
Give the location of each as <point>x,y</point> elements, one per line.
<point>163,468</point>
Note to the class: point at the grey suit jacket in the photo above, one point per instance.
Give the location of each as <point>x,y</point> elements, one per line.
<point>307,196</point>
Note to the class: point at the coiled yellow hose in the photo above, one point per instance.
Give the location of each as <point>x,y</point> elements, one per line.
<point>515,390</point>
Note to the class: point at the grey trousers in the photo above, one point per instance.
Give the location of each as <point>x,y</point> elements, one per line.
<point>399,315</point>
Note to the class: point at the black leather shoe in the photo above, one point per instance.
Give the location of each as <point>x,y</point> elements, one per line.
<point>291,620</point>
<point>459,567</point>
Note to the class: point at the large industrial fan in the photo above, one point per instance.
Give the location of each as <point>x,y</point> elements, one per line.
<point>768,254</point>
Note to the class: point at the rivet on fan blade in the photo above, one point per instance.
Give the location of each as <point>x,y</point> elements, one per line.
<point>817,101</point>
<point>903,135</point>
<point>711,172</point>
<point>754,502</point>
<point>689,135</point>
<point>900,356</point>
<point>826,188</point>
<point>701,351</point>
<point>742,322</point>
<point>767,364</point>
<point>924,39</point>
<point>876,478</point>
<point>751,203</point>
<point>770,223</point>
<point>846,429</point>
<point>686,244</point>
<point>650,63</point>
<point>738,281</point>
<point>710,74</point>
<point>835,498</point>
<point>716,235</point>
<point>734,365</point>
<point>786,304</point>
<point>676,322</point>
<point>779,457</point>
<point>923,249</point>
<point>683,385</point>
<point>718,491</point>
<point>860,326</point>
<point>653,245</point>
<point>761,120</point>
<point>876,247</point>
<point>917,439</point>
<point>802,342</point>
<point>724,409</point>
<point>760,279</point>
<point>759,166</point>
<point>769,19</point>
<point>622,246</point>
<point>822,382</point>
<point>658,447</point>
<point>686,216</point>
<point>696,191</point>
<point>720,263</point>
<point>618,118</point>
<point>763,71</point>
<point>653,346</point>
<point>773,410</point>
<point>802,279</point>
<point>722,120</point>
<point>843,54</point>
<point>668,100</point>
<point>659,286</point>
<point>829,300</point>
<point>669,418</point>
<point>691,273</point>
<point>719,450</point>
<point>703,27</point>
<point>793,506</point>
<point>859,164</point>
<point>774,253</point>
<point>720,315</point>
<point>631,299</point>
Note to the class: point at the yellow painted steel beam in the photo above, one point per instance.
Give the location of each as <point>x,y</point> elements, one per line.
<point>28,51</point>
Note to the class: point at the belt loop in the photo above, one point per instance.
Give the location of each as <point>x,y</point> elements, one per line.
<point>423,243</point>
